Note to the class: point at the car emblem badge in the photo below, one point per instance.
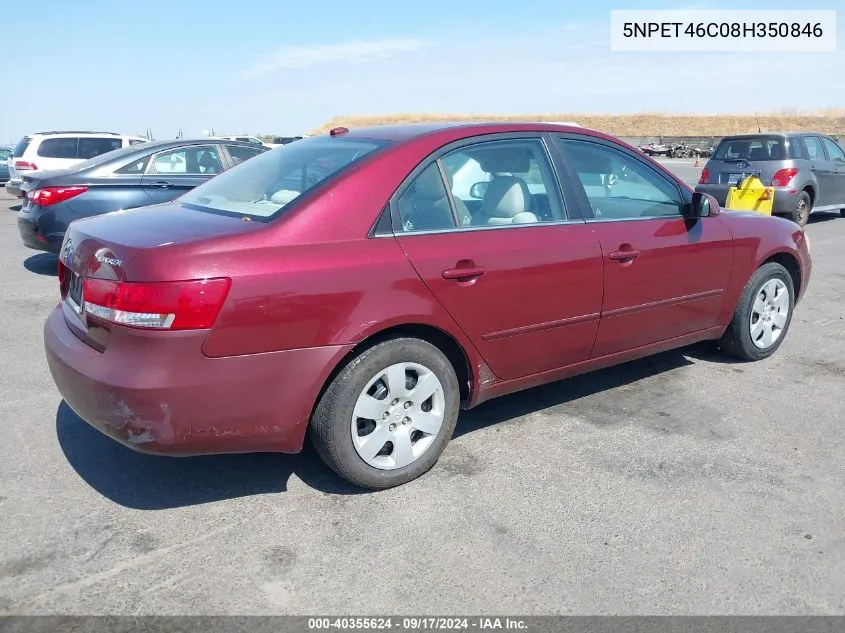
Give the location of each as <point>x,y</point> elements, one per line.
<point>743,164</point>
<point>68,252</point>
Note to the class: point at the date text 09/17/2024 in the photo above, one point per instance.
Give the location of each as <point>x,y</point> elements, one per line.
<point>417,624</point>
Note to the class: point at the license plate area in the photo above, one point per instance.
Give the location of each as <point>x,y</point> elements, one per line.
<point>735,178</point>
<point>74,293</point>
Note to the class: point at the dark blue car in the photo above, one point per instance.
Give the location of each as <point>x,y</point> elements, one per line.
<point>137,176</point>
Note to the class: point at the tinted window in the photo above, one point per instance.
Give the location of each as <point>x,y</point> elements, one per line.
<point>20,148</point>
<point>239,153</point>
<point>262,186</point>
<point>502,182</point>
<point>196,160</point>
<point>813,147</point>
<point>91,147</point>
<point>620,186</point>
<point>62,147</point>
<point>138,166</point>
<point>833,150</point>
<point>751,148</point>
<point>424,205</point>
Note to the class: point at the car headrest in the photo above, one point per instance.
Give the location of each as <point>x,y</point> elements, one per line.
<point>506,196</point>
<point>504,159</point>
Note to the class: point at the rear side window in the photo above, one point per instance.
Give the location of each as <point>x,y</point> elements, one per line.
<point>91,147</point>
<point>136,167</point>
<point>751,148</point>
<point>264,185</point>
<point>20,148</point>
<point>62,147</point>
<point>239,153</point>
<point>197,160</point>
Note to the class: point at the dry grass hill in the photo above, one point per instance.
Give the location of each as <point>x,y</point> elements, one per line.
<point>830,121</point>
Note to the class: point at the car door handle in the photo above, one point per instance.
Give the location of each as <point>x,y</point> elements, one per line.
<point>464,273</point>
<point>620,256</point>
<point>161,184</point>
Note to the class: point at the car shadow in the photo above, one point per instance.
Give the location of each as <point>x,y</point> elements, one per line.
<point>152,482</point>
<point>15,207</point>
<point>149,482</point>
<point>815,218</point>
<point>42,264</point>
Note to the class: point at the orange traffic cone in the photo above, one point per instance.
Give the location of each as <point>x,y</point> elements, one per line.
<point>696,162</point>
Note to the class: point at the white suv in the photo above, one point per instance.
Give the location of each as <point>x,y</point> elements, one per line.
<point>60,150</point>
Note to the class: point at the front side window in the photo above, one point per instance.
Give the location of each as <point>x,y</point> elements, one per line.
<point>263,186</point>
<point>199,160</point>
<point>620,186</point>
<point>814,148</point>
<point>833,150</point>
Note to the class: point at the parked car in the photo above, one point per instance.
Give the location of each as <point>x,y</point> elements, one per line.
<point>46,151</point>
<point>135,176</point>
<point>246,138</point>
<point>278,141</point>
<point>368,306</point>
<point>5,152</point>
<point>806,169</point>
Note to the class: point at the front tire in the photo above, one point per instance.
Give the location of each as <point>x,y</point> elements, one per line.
<point>388,415</point>
<point>762,316</point>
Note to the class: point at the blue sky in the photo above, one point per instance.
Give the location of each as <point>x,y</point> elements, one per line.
<point>288,66</point>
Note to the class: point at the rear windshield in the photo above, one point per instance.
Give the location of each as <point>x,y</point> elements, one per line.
<point>261,187</point>
<point>20,148</point>
<point>752,148</point>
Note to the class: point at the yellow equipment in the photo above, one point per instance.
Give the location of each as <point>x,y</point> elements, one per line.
<point>750,194</point>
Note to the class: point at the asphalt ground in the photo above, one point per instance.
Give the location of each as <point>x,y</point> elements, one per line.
<point>681,484</point>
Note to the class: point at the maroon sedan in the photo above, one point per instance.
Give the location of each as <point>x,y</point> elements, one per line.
<point>365,285</point>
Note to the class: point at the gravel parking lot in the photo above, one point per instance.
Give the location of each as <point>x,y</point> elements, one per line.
<point>681,484</point>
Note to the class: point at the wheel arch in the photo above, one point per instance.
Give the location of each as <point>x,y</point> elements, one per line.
<point>793,267</point>
<point>441,339</point>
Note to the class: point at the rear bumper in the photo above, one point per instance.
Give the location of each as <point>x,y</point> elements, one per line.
<point>13,188</point>
<point>785,197</point>
<point>33,237</point>
<point>155,392</point>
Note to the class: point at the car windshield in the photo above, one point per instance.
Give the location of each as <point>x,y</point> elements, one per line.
<point>751,148</point>
<point>5,152</point>
<point>264,185</point>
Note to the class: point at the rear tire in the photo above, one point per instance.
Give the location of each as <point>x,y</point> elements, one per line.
<point>388,415</point>
<point>762,316</point>
<point>803,207</point>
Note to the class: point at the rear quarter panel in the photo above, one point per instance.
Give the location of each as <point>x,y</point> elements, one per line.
<point>757,238</point>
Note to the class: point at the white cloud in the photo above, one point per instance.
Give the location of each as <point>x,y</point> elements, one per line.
<point>357,51</point>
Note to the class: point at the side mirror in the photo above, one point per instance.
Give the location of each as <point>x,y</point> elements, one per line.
<point>478,190</point>
<point>703,205</point>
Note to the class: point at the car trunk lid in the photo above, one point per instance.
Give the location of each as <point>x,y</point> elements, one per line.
<point>104,247</point>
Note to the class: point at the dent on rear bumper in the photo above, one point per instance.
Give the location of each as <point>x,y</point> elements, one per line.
<point>165,397</point>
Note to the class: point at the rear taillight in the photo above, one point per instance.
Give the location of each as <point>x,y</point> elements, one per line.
<point>25,165</point>
<point>705,177</point>
<point>62,272</point>
<point>168,305</point>
<point>53,195</point>
<point>783,176</point>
